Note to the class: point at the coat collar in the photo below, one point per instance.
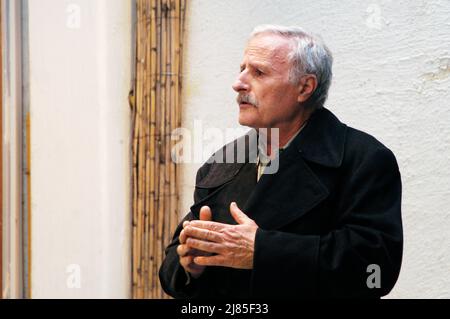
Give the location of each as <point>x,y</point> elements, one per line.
<point>295,189</point>
<point>226,163</point>
<point>322,140</point>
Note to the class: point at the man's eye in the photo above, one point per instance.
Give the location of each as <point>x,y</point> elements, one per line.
<point>259,72</point>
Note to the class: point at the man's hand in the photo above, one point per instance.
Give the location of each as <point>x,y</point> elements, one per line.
<point>232,245</point>
<point>187,254</point>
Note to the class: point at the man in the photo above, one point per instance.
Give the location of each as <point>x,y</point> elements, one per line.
<point>327,223</point>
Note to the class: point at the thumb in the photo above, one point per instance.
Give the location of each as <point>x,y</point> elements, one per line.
<point>238,214</point>
<point>205,213</point>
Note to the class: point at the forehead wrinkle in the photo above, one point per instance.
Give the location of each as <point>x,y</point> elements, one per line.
<point>270,55</point>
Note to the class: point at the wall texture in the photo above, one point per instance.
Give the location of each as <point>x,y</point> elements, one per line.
<point>79,78</point>
<point>392,80</point>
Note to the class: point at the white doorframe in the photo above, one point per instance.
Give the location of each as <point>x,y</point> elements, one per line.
<point>12,150</point>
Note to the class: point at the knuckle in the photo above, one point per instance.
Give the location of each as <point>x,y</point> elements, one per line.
<point>190,241</point>
<point>229,249</point>
<point>229,234</point>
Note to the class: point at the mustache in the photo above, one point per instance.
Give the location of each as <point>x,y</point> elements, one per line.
<point>246,98</point>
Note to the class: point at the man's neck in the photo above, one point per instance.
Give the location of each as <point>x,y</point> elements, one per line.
<point>285,135</point>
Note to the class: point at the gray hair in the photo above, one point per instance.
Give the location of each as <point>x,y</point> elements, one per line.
<point>309,56</point>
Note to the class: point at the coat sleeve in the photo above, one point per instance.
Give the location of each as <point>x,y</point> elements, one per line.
<point>338,264</point>
<point>172,276</point>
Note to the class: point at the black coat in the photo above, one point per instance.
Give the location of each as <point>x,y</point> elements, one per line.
<point>332,209</point>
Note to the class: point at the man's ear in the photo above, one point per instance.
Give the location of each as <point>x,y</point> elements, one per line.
<point>307,86</point>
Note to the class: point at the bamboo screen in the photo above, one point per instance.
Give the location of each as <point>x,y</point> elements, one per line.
<point>156,105</point>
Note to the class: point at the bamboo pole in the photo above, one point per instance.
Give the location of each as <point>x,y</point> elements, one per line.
<point>164,110</point>
<point>134,147</point>
<point>157,147</point>
<point>174,115</point>
<point>152,87</point>
<point>168,124</point>
<point>145,139</point>
<point>169,88</point>
<point>136,159</point>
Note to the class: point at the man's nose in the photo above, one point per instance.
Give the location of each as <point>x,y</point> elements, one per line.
<point>240,84</point>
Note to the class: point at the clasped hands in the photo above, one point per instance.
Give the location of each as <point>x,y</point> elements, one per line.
<point>207,243</point>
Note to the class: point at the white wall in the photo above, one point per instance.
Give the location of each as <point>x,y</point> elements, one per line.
<point>80,74</point>
<point>392,80</point>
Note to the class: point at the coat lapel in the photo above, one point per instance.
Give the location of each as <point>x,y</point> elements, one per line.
<point>232,178</point>
<point>285,196</point>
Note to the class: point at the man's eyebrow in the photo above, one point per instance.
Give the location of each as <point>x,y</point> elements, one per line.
<point>257,65</point>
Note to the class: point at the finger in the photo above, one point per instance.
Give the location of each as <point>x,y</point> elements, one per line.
<point>217,260</point>
<point>217,227</point>
<point>238,214</point>
<point>205,234</point>
<point>183,250</point>
<point>188,264</point>
<point>194,268</point>
<point>185,223</point>
<point>205,213</point>
<point>195,252</point>
<point>186,261</point>
<point>207,246</point>
<point>182,237</point>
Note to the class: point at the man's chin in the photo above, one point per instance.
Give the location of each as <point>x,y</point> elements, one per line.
<point>246,121</point>
<point>248,118</point>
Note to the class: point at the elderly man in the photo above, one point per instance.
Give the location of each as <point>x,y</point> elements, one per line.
<point>326,223</point>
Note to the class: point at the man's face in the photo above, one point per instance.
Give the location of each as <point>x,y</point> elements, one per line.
<point>267,98</point>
